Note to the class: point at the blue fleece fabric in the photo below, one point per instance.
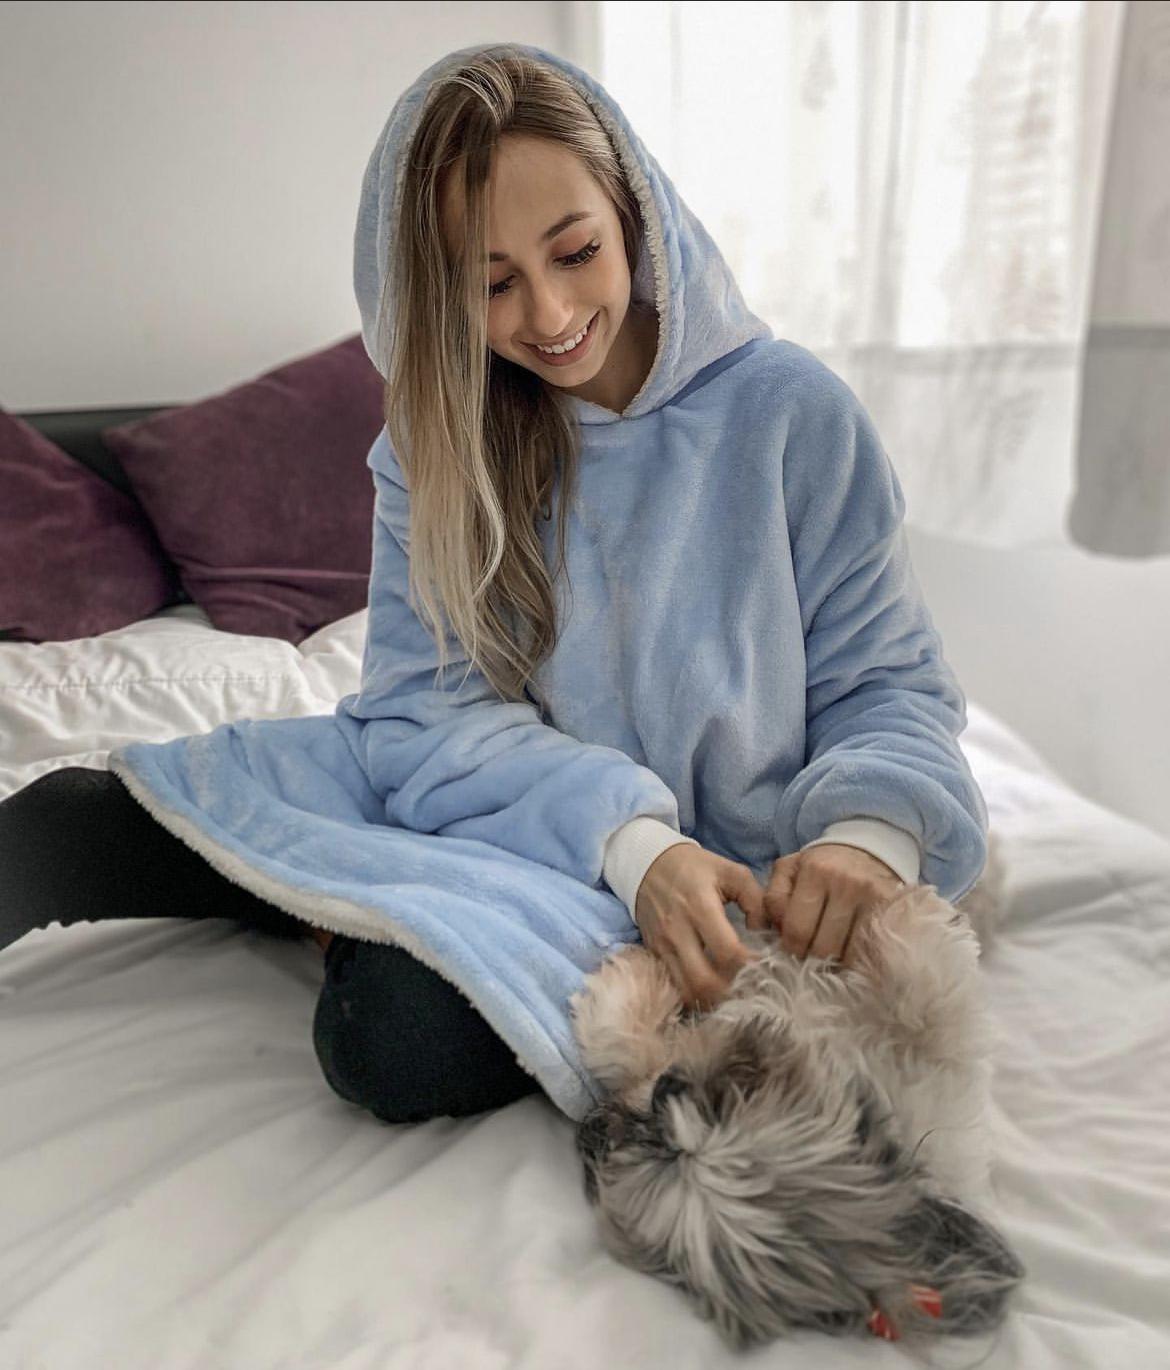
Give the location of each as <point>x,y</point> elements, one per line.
<point>743,653</point>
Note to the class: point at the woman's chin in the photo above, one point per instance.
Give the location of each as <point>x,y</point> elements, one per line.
<point>570,379</point>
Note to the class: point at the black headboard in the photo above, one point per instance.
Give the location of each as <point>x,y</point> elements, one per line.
<point>78,432</point>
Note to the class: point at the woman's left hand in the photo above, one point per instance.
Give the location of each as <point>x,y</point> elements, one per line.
<point>816,898</point>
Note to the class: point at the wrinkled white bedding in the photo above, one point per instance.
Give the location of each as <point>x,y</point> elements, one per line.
<point>180,1190</point>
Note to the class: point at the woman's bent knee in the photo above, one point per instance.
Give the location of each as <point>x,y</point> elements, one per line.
<point>395,1038</point>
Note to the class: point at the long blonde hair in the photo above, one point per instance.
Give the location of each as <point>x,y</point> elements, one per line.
<point>481,440</point>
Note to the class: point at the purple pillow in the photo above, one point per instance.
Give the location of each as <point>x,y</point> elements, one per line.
<point>76,556</point>
<point>262,496</point>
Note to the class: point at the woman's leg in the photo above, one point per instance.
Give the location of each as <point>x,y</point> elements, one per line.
<point>391,1035</point>
<point>399,1040</point>
<point>76,847</point>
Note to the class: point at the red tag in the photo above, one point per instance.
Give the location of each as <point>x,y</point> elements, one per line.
<point>925,1299</point>
<point>881,1326</point>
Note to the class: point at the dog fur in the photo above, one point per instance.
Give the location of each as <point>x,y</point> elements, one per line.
<point>810,1152</point>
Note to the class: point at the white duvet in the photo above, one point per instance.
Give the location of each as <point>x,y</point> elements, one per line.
<point>180,1190</point>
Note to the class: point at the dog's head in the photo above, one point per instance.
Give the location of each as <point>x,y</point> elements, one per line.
<point>759,1174</point>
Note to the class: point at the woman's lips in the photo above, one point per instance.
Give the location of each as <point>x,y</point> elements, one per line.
<point>568,358</point>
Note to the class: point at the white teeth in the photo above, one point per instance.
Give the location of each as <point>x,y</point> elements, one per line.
<point>564,347</point>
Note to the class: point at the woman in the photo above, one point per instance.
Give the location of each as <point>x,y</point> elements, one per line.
<point>643,641</point>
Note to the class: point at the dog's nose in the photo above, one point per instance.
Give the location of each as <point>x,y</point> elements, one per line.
<point>668,1084</point>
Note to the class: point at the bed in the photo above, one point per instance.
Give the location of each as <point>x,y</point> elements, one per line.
<point>180,1190</point>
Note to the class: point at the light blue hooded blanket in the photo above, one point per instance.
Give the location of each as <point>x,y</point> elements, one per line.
<point>743,653</point>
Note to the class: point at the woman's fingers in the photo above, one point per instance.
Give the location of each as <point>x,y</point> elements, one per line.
<point>814,898</point>
<point>835,925</point>
<point>721,942</point>
<point>699,983</point>
<point>680,911</point>
<point>741,887</point>
<point>835,887</point>
<point>780,885</point>
<point>704,955</point>
<point>802,915</point>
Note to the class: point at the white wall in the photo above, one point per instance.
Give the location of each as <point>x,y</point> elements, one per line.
<point>179,183</point>
<point>180,180</point>
<point>1070,649</point>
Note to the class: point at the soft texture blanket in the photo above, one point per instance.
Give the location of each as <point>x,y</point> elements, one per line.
<point>743,653</point>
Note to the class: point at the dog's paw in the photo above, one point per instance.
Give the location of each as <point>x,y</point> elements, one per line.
<point>624,1018</point>
<point>922,960</point>
<point>916,926</point>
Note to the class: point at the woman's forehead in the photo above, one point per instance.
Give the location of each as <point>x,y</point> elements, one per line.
<point>533,184</point>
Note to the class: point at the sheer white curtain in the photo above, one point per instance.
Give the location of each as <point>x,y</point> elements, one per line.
<point>914,192</point>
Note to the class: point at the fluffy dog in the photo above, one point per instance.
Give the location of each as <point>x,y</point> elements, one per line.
<point>805,1154</point>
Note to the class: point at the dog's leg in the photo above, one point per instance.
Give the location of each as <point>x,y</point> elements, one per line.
<point>922,962</point>
<point>624,1019</point>
<point>928,1033</point>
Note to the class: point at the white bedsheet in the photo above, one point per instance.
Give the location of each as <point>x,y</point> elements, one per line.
<point>180,1190</point>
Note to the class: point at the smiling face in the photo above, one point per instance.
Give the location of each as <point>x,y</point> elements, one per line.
<point>559,281</point>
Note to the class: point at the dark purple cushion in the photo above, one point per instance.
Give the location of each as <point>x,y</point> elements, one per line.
<point>262,495</point>
<point>76,556</point>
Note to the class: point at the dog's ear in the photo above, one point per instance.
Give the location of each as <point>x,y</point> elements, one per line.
<point>948,1252</point>
<point>967,1261</point>
<point>597,1134</point>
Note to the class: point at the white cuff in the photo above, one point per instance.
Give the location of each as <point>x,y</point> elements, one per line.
<point>630,852</point>
<point>892,845</point>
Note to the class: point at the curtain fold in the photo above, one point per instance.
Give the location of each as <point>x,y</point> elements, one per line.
<point>1122,500</point>
<point>960,208</point>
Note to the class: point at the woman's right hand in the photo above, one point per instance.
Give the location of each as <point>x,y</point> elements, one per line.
<point>679,910</point>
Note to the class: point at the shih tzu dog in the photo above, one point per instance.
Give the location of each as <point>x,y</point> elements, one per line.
<point>807,1153</point>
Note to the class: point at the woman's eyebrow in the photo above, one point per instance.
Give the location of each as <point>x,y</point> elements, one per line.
<point>552,232</point>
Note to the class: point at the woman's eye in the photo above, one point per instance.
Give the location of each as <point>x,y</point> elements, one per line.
<point>580,258</point>
<point>589,251</point>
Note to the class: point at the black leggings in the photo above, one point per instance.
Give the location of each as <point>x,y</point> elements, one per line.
<point>391,1035</point>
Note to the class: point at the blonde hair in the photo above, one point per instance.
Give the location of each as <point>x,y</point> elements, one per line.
<point>481,440</point>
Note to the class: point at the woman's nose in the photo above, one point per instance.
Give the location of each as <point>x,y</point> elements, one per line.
<point>549,312</point>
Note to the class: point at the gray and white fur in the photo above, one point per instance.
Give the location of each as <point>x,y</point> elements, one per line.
<point>812,1151</point>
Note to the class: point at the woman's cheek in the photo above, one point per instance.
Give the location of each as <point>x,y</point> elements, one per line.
<point>499,330</point>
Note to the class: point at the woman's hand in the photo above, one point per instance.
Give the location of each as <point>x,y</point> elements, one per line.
<point>817,898</point>
<point>680,912</point>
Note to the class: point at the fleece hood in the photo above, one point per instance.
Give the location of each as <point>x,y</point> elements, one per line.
<point>702,315</point>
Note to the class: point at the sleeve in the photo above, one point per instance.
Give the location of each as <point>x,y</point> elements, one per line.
<point>454,758</point>
<point>883,710</point>
<point>889,844</point>
<point>631,851</point>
